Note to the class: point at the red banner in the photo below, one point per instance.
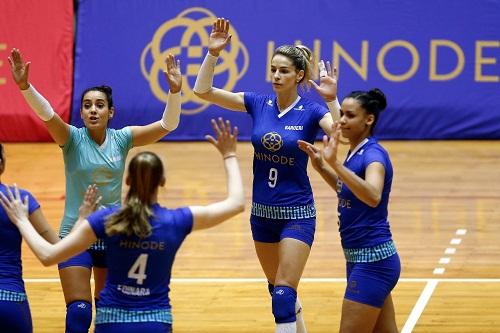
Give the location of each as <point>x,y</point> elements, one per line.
<point>43,31</point>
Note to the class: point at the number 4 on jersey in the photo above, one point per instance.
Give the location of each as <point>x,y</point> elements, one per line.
<point>138,269</point>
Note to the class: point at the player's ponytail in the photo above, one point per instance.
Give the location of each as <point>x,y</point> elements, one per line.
<point>145,174</point>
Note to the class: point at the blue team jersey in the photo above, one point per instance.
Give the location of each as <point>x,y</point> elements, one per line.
<point>139,269</point>
<point>10,247</point>
<point>362,226</point>
<point>281,187</point>
<point>87,163</point>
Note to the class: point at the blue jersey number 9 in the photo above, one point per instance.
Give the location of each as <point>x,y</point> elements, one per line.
<point>273,177</point>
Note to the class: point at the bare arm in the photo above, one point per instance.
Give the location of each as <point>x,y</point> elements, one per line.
<point>58,129</point>
<point>143,135</point>
<point>42,227</point>
<point>368,190</point>
<point>213,214</point>
<point>203,88</point>
<point>49,254</point>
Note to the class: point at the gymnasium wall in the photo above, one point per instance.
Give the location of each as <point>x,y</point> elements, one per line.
<point>437,61</point>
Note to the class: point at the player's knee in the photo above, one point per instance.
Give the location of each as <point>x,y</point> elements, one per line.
<point>78,317</point>
<point>284,304</point>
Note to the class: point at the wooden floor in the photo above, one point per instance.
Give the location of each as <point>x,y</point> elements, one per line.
<point>446,195</point>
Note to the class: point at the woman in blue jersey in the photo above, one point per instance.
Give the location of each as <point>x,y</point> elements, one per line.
<point>283,215</point>
<point>15,315</point>
<point>93,154</point>
<point>142,239</point>
<point>363,184</point>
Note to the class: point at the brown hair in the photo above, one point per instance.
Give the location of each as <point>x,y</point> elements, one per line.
<point>145,173</point>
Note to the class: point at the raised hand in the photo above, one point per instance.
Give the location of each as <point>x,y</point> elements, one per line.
<point>90,202</point>
<point>16,209</point>
<point>327,87</point>
<point>219,37</point>
<point>20,69</point>
<point>331,144</point>
<point>313,152</point>
<point>225,141</point>
<point>173,74</point>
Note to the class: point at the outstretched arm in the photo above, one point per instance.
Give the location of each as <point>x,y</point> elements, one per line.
<point>48,254</point>
<point>368,190</point>
<point>58,129</point>
<point>143,135</point>
<point>203,88</point>
<point>213,214</point>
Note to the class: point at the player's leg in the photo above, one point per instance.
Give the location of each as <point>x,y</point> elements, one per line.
<point>75,276</point>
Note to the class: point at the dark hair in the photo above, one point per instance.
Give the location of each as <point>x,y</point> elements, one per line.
<point>301,57</point>
<point>373,102</point>
<point>145,173</point>
<point>104,89</point>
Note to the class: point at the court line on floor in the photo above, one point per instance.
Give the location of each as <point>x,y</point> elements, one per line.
<point>419,306</point>
<point>303,280</point>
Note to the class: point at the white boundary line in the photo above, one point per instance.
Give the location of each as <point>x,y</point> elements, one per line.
<point>419,306</point>
<point>306,280</point>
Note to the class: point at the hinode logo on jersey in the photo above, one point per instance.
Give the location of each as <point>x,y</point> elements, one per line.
<point>272,141</point>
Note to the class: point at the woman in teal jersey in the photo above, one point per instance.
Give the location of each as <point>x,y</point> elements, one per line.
<point>142,238</point>
<point>94,154</point>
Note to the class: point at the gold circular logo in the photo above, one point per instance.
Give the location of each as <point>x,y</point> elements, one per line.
<point>272,141</point>
<point>186,37</point>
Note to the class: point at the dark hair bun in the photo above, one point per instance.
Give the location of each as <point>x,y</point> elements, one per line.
<point>378,96</point>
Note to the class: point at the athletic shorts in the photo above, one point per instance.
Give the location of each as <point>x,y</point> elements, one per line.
<point>371,282</point>
<point>272,231</point>
<point>15,316</point>
<point>89,258</point>
<point>148,327</point>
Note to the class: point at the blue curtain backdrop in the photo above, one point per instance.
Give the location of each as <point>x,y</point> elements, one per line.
<point>437,61</point>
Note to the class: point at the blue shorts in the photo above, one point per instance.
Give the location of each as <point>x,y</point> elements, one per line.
<point>272,231</point>
<point>149,327</point>
<point>15,317</point>
<point>89,258</point>
<point>371,282</point>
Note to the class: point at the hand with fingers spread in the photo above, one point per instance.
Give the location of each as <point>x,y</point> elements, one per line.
<point>219,37</point>
<point>20,69</point>
<point>90,202</point>
<point>15,207</point>
<point>327,87</point>
<point>225,140</point>
<point>173,73</point>
<point>331,144</point>
<point>314,154</point>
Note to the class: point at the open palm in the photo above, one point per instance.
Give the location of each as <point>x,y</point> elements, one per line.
<point>327,87</point>
<point>173,74</point>
<point>331,144</point>
<point>219,37</point>
<point>19,69</point>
